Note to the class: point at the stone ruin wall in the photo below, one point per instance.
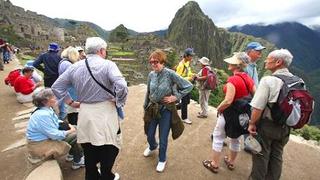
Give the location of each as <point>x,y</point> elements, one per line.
<point>27,24</point>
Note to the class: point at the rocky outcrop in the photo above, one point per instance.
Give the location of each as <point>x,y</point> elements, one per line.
<point>192,28</point>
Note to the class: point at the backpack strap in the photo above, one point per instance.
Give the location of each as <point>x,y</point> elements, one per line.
<point>245,83</point>
<point>292,82</point>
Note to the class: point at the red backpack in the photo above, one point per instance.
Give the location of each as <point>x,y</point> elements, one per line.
<point>211,82</point>
<point>12,76</point>
<point>295,104</point>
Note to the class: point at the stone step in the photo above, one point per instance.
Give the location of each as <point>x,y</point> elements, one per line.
<point>22,117</point>
<point>15,145</point>
<point>27,111</point>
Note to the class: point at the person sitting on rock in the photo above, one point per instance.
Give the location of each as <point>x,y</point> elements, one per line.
<point>45,139</point>
<point>24,86</point>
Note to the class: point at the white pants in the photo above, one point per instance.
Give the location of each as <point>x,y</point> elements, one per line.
<point>219,134</point>
<point>203,101</point>
<point>22,98</point>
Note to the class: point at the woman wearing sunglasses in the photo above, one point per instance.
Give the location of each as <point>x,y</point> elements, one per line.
<point>164,88</point>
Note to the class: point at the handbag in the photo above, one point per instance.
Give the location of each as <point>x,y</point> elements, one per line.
<point>119,109</point>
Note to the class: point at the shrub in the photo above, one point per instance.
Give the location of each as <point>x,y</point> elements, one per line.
<point>308,133</point>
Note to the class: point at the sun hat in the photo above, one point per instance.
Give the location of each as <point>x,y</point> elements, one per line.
<point>53,47</point>
<point>204,61</point>
<point>253,144</point>
<point>233,60</point>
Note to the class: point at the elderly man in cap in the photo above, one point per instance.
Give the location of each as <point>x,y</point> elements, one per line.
<point>98,122</point>
<point>184,70</point>
<point>254,51</point>
<point>50,60</point>
<point>204,93</point>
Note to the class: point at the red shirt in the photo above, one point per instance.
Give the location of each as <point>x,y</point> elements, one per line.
<point>204,71</point>
<point>240,85</point>
<point>24,85</point>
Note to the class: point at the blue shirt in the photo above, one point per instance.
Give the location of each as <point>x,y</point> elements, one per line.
<point>165,83</point>
<point>88,91</point>
<point>251,70</point>
<point>43,125</point>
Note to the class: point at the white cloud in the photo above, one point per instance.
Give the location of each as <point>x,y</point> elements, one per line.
<point>151,15</point>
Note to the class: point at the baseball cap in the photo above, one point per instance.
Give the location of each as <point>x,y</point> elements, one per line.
<point>255,46</point>
<point>189,52</point>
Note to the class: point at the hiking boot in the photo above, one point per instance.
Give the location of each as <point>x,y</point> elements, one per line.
<point>147,152</point>
<point>161,166</point>
<point>69,157</point>
<point>77,165</point>
<point>187,121</point>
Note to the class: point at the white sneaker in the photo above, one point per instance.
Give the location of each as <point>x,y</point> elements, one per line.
<point>148,152</point>
<point>187,121</point>
<point>116,176</point>
<point>161,166</point>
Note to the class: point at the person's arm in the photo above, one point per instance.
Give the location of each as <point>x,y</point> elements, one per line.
<point>49,129</point>
<point>228,99</point>
<point>146,99</point>
<point>37,63</point>
<point>61,85</point>
<point>119,84</point>
<point>204,74</point>
<point>183,86</point>
<point>255,116</point>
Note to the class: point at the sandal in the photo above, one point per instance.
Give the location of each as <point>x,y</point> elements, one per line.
<point>229,165</point>
<point>208,164</point>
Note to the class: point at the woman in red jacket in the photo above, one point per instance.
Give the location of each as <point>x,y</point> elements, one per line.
<point>24,86</point>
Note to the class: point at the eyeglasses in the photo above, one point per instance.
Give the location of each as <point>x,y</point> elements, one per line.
<point>153,62</point>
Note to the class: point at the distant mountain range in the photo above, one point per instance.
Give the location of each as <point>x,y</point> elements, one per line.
<point>303,42</point>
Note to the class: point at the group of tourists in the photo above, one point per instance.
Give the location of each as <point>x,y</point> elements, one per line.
<point>78,112</point>
<point>235,118</point>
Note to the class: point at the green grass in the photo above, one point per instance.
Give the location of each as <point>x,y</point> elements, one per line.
<point>122,54</point>
<point>24,58</point>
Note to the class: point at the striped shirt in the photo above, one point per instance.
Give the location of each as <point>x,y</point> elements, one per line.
<point>88,91</point>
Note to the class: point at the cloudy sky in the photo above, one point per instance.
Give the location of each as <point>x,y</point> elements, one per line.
<point>151,15</point>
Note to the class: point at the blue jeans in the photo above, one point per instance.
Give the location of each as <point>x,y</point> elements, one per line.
<point>62,110</point>
<point>164,128</point>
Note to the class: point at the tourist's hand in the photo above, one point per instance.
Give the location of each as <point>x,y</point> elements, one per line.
<point>75,104</point>
<point>72,129</point>
<point>169,99</point>
<point>252,129</point>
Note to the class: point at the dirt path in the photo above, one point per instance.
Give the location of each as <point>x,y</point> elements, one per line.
<point>184,154</point>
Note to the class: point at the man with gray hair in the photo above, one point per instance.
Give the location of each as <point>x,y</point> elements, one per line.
<point>273,136</point>
<point>98,124</point>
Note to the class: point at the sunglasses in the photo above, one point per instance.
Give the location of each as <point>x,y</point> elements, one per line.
<point>154,62</point>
